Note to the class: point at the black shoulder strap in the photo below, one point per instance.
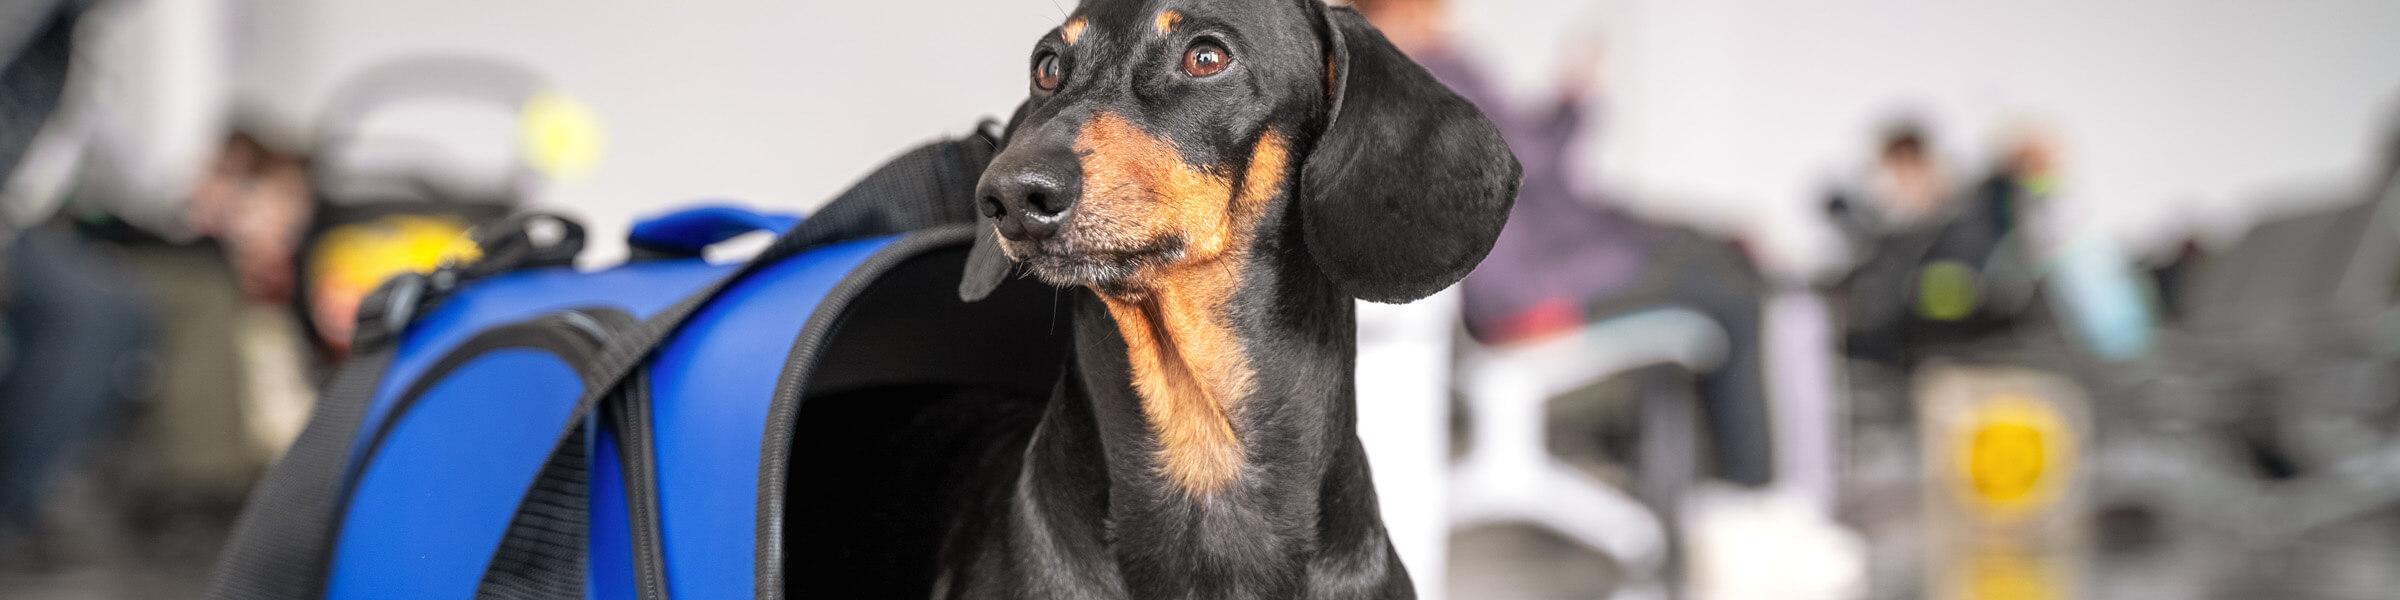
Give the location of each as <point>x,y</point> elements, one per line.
<point>929,186</point>
<point>281,543</point>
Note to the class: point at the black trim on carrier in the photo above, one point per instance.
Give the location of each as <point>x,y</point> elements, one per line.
<point>783,411</point>
<point>894,320</point>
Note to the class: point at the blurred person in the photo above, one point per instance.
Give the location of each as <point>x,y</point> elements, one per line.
<point>2027,174</point>
<point>118,149</point>
<point>233,370</point>
<point>70,336</point>
<point>255,201</point>
<point>1881,215</point>
<point>75,339</point>
<point>1563,261</point>
<point>253,207</point>
<point>1903,188</point>
<point>1934,263</point>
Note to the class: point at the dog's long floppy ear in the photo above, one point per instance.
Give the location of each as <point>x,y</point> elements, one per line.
<point>986,265</point>
<point>1408,185</point>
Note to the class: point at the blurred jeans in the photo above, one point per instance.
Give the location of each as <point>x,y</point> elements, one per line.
<point>76,328</point>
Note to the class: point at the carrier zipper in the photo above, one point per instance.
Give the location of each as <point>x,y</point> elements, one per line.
<point>631,421</point>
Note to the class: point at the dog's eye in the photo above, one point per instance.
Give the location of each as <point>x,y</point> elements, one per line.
<point>1205,58</point>
<point>1045,71</point>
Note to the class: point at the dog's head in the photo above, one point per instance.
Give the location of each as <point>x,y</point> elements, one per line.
<point>1165,134</point>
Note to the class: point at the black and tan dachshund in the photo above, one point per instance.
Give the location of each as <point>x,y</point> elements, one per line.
<point>1210,183</point>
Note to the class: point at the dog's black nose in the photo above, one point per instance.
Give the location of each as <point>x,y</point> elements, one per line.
<point>1028,199</point>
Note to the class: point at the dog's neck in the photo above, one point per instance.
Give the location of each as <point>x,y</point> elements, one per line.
<point>1186,360</point>
<point>1223,378</point>
<point>1224,416</point>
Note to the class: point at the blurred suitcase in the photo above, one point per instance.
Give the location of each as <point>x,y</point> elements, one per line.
<point>513,428</point>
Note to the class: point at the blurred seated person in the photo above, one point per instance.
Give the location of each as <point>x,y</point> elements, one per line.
<point>255,203</point>
<point>1564,261</point>
<point>1931,260</point>
<point>72,338</point>
<point>230,374</point>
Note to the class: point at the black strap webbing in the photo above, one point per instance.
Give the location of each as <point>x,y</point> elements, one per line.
<point>542,555</point>
<point>281,543</point>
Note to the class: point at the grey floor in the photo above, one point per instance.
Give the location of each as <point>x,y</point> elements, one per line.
<point>96,542</point>
<point>1524,563</point>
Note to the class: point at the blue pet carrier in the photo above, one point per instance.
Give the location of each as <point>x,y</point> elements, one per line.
<point>513,428</point>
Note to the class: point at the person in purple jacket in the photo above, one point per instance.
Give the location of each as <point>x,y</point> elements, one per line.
<point>1563,261</point>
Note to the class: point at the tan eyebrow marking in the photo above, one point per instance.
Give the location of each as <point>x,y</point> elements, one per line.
<point>1165,23</point>
<point>1073,31</point>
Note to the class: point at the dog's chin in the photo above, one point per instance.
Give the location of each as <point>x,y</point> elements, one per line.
<point>1064,266</point>
<point>1074,271</point>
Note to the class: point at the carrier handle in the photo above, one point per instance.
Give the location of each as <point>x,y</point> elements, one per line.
<point>529,240</point>
<point>686,233</point>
